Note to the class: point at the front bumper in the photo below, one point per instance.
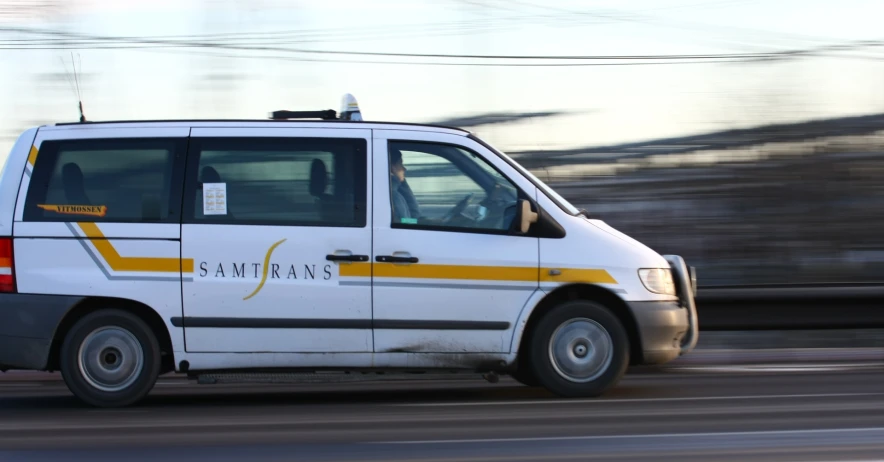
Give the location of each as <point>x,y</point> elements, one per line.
<point>686,288</point>
<point>669,329</point>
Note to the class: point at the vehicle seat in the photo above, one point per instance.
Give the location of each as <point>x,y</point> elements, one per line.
<point>74,185</point>
<point>209,175</point>
<point>325,203</point>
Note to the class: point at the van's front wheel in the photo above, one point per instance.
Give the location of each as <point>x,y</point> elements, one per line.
<point>110,358</point>
<point>579,349</point>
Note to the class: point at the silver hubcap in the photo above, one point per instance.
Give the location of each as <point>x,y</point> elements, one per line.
<point>581,350</point>
<point>111,358</point>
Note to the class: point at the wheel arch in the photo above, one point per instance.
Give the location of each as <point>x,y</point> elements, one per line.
<point>93,304</point>
<point>588,292</point>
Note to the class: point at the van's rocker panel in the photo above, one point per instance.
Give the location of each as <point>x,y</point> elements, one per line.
<point>28,323</point>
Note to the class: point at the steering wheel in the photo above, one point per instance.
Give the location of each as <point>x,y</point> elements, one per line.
<point>458,209</point>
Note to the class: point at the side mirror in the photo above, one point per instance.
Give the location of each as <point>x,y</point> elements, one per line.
<point>527,217</point>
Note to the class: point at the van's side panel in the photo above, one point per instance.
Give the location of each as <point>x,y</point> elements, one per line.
<point>125,241</point>
<point>268,215</point>
<point>10,179</point>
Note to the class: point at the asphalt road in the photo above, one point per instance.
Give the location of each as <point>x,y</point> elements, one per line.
<point>823,413</point>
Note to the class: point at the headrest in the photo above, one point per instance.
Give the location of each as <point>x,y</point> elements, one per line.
<point>71,172</point>
<point>210,175</point>
<point>318,177</point>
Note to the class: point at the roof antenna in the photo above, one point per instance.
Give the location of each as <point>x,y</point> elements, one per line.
<point>75,82</point>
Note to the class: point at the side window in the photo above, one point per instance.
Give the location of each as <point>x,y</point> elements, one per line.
<point>107,180</point>
<point>277,181</point>
<point>439,186</point>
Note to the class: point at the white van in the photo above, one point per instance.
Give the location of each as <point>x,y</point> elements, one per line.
<point>284,246</point>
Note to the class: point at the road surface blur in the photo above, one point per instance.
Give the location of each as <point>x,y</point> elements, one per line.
<point>692,411</point>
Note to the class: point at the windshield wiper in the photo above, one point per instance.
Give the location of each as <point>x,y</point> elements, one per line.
<point>584,213</point>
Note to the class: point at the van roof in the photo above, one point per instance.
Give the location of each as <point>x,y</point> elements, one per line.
<point>264,123</point>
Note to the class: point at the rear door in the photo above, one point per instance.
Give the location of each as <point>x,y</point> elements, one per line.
<point>98,215</point>
<point>277,222</point>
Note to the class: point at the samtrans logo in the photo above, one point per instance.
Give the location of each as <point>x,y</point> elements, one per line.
<point>256,270</point>
<point>249,270</point>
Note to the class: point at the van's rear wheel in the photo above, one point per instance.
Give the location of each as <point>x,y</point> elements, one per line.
<point>110,358</point>
<point>579,348</point>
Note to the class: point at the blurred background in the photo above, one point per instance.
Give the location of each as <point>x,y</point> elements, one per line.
<point>744,135</point>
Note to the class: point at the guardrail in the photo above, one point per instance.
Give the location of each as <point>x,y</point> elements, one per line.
<point>791,308</point>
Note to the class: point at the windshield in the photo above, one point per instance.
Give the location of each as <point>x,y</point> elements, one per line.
<point>559,200</point>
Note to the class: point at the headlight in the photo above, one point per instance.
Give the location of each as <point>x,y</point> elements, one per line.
<point>658,280</point>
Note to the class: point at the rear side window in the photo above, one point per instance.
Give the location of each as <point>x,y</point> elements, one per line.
<point>107,180</point>
<point>277,181</point>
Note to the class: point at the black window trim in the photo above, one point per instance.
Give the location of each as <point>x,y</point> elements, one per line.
<point>515,166</point>
<point>49,149</point>
<point>192,176</point>
<point>463,148</point>
<point>520,194</point>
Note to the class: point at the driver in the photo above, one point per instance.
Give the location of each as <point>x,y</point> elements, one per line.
<point>404,203</point>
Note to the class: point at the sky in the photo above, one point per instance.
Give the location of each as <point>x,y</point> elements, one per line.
<point>602,104</point>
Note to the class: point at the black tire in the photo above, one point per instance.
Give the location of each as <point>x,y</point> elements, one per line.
<point>525,376</point>
<point>607,374</point>
<point>111,342</point>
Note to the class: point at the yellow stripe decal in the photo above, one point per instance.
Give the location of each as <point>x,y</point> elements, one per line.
<point>593,276</point>
<point>32,157</point>
<point>485,273</point>
<point>479,273</point>
<point>266,265</point>
<point>141,264</point>
<point>355,270</point>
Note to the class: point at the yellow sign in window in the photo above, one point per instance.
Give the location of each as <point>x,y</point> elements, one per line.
<point>90,210</point>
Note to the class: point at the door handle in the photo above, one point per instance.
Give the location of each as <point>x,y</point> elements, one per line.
<point>394,259</point>
<point>346,257</point>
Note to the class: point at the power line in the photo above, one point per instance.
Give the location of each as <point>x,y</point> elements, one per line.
<point>323,34</point>
<point>235,41</point>
<point>432,63</point>
<point>49,38</point>
<point>84,41</point>
<point>480,64</point>
<point>90,41</point>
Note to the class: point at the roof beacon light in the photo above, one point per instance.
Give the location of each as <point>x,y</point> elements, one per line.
<point>350,108</point>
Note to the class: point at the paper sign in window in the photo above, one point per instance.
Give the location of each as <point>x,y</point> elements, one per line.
<point>215,198</point>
